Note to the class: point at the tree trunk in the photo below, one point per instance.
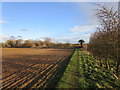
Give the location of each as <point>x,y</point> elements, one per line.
<point>100,62</point>
<point>117,68</point>
<point>106,63</point>
<point>81,45</point>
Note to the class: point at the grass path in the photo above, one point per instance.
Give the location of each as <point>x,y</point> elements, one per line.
<point>71,75</point>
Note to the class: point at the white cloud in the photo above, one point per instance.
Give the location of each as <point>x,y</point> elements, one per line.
<point>83,29</point>
<point>2,21</point>
<point>87,35</point>
<point>73,39</point>
<point>4,37</point>
<point>90,9</point>
<point>66,39</point>
<point>78,32</point>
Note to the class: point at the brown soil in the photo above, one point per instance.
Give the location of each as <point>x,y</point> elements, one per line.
<point>31,67</point>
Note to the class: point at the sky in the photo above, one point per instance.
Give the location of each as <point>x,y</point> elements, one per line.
<point>61,21</point>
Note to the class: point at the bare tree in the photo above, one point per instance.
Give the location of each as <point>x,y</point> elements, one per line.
<point>105,42</point>
<point>28,43</point>
<point>18,42</point>
<point>10,43</point>
<point>47,41</point>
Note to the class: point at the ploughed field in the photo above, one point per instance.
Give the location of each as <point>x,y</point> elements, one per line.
<point>31,67</point>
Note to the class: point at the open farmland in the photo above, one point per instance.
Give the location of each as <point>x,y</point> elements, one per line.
<point>30,67</point>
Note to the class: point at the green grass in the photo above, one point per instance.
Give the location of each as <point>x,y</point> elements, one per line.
<point>70,78</point>
<point>83,72</point>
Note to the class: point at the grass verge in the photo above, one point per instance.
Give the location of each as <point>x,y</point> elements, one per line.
<point>83,72</point>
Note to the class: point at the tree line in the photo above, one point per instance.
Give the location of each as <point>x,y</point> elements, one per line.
<point>104,44</point>
<point>47,43</point>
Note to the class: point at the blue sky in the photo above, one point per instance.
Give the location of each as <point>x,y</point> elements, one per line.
<point>61,21</point>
